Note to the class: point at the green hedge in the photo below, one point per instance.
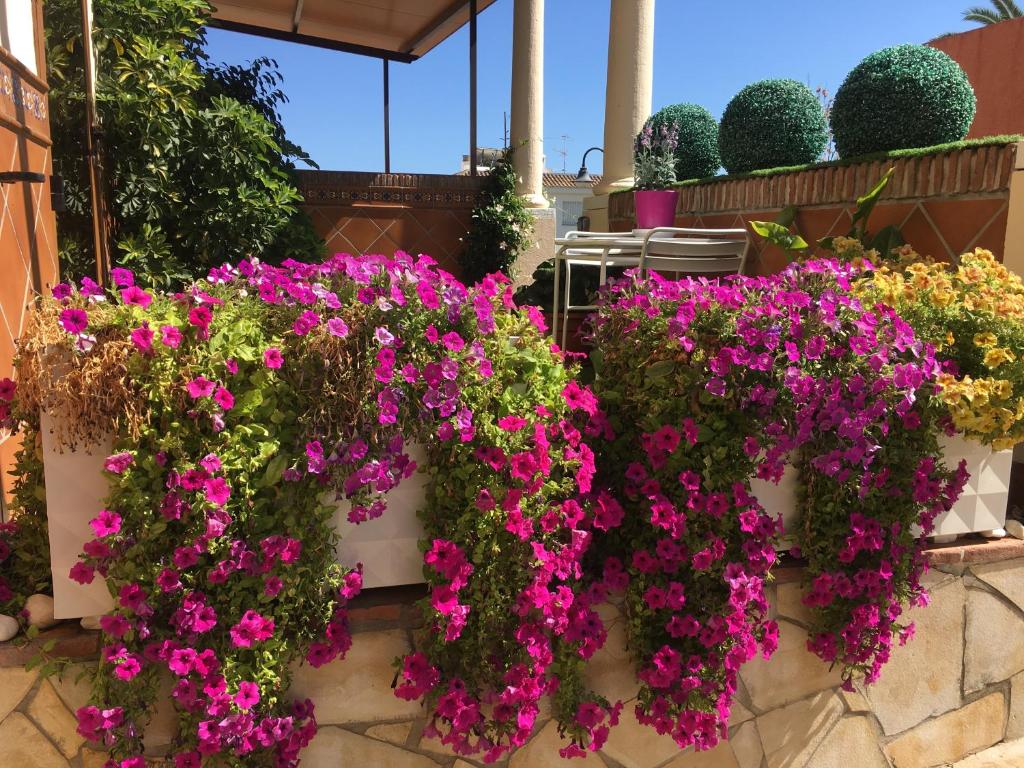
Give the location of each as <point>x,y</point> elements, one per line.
<point>697,151</point>
<point>772,123</point>
<point>900,97</point>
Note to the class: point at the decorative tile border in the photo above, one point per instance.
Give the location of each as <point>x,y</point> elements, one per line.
<point>349,188</point>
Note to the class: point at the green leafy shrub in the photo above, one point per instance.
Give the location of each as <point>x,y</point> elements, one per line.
<point>501,225</point>
<point>772,123</point>
<point>697,132</point>
<point>900,97</point>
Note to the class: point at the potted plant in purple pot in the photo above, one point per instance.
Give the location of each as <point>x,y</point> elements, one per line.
<point>654,174</point>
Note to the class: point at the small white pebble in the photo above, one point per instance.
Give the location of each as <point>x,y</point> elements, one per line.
<point>40,611</point>
<point>8,627</point>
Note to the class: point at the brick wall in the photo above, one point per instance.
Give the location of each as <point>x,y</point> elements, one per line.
<point>382,213</point>
<point>944,203</point>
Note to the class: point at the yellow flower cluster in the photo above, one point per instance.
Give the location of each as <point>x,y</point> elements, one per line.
<point>982,300</point>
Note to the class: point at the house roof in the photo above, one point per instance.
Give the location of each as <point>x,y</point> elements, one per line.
<point>567,179</point>
<point>401,30</point>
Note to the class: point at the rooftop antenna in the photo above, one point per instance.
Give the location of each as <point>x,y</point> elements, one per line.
<point>564,151</point>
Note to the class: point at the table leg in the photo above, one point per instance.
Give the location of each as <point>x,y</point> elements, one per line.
<point>565,316</point>
<point>554,298</point>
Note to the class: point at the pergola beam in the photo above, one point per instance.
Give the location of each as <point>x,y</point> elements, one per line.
<point>317,42</point>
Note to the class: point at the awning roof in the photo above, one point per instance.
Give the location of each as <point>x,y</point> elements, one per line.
<point>400,30</point>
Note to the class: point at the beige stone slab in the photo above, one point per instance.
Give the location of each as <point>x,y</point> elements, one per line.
<point>922,678</point>
<point>337,748</point>
<point>1007,577</point>
<point>610,672</point>
<point>542,752</point>
<point>746,746</point>
<point>74,686</point>
<point>635,745</point>
<point>789,602</point>
<point>853,741</point>
<point>989,657</point>
<point>790,735</point>
<point>719,757</point>
<point>1015,723</point>
<point>358,687</point>
<point>394,733</point>
<point>792,673</point>
<point>22,744</point>
<point>15,682</point>
<point>739,714</point>
<point>50,714</point>
<point>952,736</point>
<point>1008,755</point>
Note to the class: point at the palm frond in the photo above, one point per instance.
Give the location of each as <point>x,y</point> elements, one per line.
<point>981,15</point>
<point>1002,9</point>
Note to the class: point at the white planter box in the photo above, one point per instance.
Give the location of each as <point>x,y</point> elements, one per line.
<point>75,489</point>
<point>981,507</point>
<point>388,546</point>
<point>780,499</point>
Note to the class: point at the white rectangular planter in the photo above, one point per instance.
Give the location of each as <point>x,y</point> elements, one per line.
<point>388,547</point>
<point>75,490</point>
<point>981,507</point>
<point>780,499</point>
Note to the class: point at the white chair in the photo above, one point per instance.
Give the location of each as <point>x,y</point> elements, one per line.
<point>687,250</point>
<point>682,250</point>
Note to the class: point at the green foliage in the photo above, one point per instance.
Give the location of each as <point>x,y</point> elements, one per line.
<point>697,148</point>
<point>1001,10</point>
<point>903,96</point>
<point>772,123</point>
<point>196,163</point>
<point>26,571</point>
<point>501,226</point>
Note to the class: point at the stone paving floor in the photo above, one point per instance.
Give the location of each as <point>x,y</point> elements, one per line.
<point>1008,755</point>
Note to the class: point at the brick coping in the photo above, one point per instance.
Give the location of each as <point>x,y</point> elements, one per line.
<point>395,607</point>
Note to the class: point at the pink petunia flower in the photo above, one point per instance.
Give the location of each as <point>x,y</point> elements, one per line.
<point>224,399</point>
<point>74,320</point>
<point>217,491</point>
<point>200,386</point>
<point>272,358</point>
<point>248,695</point>
<point>170,336</point>
<point>136,297</point>
<point>106,523</point>
<point>118,462</point>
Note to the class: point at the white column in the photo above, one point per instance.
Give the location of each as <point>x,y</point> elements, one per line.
<point>527,129</point>
<point>627,101</point>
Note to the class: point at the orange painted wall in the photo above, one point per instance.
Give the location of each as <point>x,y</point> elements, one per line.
<point>993,58</point>
<point>382,213</point>
<point>944,204</point>
<point>28,233</point>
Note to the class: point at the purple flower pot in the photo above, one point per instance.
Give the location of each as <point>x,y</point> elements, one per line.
<point>655,207</point>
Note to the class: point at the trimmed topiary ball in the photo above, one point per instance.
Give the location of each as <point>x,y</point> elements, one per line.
<point>697,151</point>
<point>772,123</point>
<point>901,97</point>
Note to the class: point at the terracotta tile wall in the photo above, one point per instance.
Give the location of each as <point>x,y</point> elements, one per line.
<point>383,213</point>
<point>944,203</point>
<point>28,236</point>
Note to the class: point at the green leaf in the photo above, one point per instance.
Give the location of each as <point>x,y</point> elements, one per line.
<point>866,204</point>
<point>660,369</point>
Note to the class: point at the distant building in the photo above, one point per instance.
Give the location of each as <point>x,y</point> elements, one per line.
<point>566,198</point>
<point>561,189</point>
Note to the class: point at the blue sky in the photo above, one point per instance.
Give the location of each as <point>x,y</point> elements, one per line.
<point>704,52</point>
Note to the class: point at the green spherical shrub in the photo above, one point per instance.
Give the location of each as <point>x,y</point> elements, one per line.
<point>697,150</point>
<point>772,123</point>
<point>900,97</point>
